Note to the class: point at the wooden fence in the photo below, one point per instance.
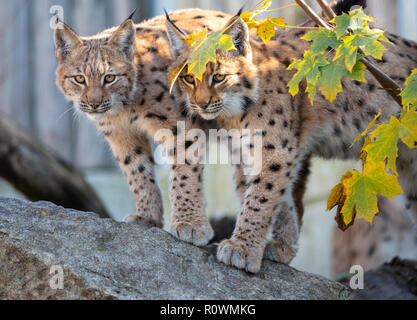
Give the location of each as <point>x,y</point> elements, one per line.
<point>27,64</point>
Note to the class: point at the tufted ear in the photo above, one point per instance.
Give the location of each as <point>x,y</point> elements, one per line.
<point>176,37</point>
<point>65,40</point>
<point>239,31</point>
<point>124,38</point>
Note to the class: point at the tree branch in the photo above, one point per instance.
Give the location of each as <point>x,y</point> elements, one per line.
<point>40,174</point>
<point>328,11</point>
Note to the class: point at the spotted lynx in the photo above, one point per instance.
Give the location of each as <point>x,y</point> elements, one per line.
<point>119,79</point>
<point>247,89</point>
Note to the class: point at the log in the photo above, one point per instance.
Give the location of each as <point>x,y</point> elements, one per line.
<point>40,174</point>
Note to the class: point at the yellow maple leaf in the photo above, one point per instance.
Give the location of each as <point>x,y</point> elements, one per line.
<point>194,38</point>
<point>361,190</point>
<point>266,30</point>
<point>336,197</point>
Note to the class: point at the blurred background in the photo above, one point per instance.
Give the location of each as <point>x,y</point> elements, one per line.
<point>30,97</point>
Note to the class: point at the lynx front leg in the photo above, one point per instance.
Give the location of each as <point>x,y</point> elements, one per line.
<point>136,160</point>
<point>246,247</point>
<point>286,229</point>
<point>189,222</point>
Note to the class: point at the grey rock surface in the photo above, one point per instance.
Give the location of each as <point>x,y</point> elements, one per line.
<point>104,259</point>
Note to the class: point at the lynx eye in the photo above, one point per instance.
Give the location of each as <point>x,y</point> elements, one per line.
<point>219,78</point>
<point>109,78</point>
<point>79,79</point>
<point>189,79</point>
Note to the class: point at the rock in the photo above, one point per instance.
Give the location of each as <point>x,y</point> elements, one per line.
<point>396,280</point>
<point>104,259</point>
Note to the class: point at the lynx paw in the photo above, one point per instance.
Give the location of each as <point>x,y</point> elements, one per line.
<point>280,251</point>
<point>134,218</point>
<point>198,235</point>
<point>236,254</point>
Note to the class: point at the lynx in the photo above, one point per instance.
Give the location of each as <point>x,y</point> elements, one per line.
<point>247,89</point>
<point>118,78</point>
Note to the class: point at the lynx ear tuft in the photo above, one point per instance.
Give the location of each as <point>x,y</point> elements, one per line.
<point>176,37</point>
<point>132,15</point>
<point>65,41</point>
<point>125,38</point>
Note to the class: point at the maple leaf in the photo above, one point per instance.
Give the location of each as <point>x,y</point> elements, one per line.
<point>205,52</point>
<point>349,54</point>
<point>330,82</point>
<point>308,68</point>
<point>355,21</point>
<point>357,73</point>
<point>384,145</point>
<point>248,18</point>
<point>370,46</point>
<point>336,197</point>
<point>408,128</point>
<point>409,94</point>
<point>194,38</point>
<point>360,190</point>
<point>322,39</point>
<point>266,29</point>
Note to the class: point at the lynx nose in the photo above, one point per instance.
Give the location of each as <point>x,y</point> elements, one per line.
<point>205,105</point>
<point>95,104</point>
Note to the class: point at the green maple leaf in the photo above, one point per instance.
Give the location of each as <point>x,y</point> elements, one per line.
<point>322,39</point>
<point>308,68</point>
<point>408,128</point>
<point>358,73</point>
<point>361,190</point>
<point>330,82</point>
<point>409,94</point>
<point>349,54</point>
<point>204,51</point>
<point>356,20</point>
<point>384,145</point>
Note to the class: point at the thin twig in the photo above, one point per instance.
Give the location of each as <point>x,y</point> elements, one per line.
<point>312,14</point>
<point>328,11</point>
<point>384,80</point>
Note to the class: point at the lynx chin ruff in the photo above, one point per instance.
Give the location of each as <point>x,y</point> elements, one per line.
<point>246,89</point>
